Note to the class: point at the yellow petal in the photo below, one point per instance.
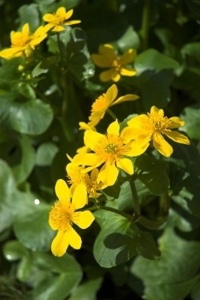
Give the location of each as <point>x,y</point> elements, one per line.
<point>68,14</point>
<point>138,146</point>
<point>126,165</point>
<point>108,174</point>
<point>83,219</point>
<point>106,75</point>
<point>11,52</point>
<point>74,239</point>
<point>108,51</point>
<point>86,159</point>
<point>25,29</point>
<point>58,28</point>
<point>177,137</point>
<point>111,94</point>
<point>115,76</point>
<point>61,11</point>
<point>174,122</point>
<point>127,72</point>
<point>92,138</point>
<point>161,145</point>
<point>60,244</point>
<point>94,174</point>
<point>49,18</point>
<point>129,97</point>
<point>128,56</point>
<point>62,191</point>
<point>155,110</point>
<point>73,22</point>
<point>79,198</point>
<point>114,128</point>
<point>100,61</point>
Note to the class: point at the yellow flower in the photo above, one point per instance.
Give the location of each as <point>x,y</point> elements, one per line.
<point>63,214</point>
<point>23,42</point>
<point>153,126</point>
<point>111,151</point>
<point>101,105</point>
<point>76,177</point>
<point>57,20</point>
<point>107,58</point>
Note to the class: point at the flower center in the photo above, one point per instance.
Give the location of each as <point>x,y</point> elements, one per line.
<point>158,123</point>
<point>61,215</point>
<point>116,64</point>
<point>59,19</point>
<point>111,148</point>
<point>20,39</point>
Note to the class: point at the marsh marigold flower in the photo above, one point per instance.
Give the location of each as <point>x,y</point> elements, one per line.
<point>111,151</point>
<point>154,126</point>
<point>106,100</point>
<point>108,58</point>
<point>23,42</point>
<point>76,177</point>
<point>64,213</point>
<point>59,18</point>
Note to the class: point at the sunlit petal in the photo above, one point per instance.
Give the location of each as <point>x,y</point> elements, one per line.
<point>92,138</point>
<point>73,22</point>
<point>113,128</point>
<point>175,122</point>
<point>115,76</point>
<point>108,174</point>
<point>49,18</point>
<point>108,51</point>
<point>79,198</point>
<point>83,219</point>
<point>126,165</point>
<point>62,191</point>
<point>60,243</point>
<point>74,239</point>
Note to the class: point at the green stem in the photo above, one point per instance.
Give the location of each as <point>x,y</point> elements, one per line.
<point>111,114</point>
<point>116,211</point>
<point>144,31</point>
<point>59,45</point>
<point>136,203</point>
<point>150,224</point>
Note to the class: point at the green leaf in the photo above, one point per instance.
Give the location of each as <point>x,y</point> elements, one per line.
<point>38,70</point>
<point>118,243</point>
<point>13,250</point>
<point>152,173</point>
<point>129,39</point>
<point>192,50</point>
<point>31,117</point>
<point>57,286</point>
<point>192,121</point>
<point>32,229</point>
<point>45,154</point>
<point>169,273</point>
<point>30,14</point>
<point>87,291</point>
<point>20,155</point>
<point>153,60</point>
<point>9,73</point>
<point>7,188</point>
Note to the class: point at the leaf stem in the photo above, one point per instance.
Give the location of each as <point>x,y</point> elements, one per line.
<point>144,31</point>
<point>113,116</point>
<point>136,203</point>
